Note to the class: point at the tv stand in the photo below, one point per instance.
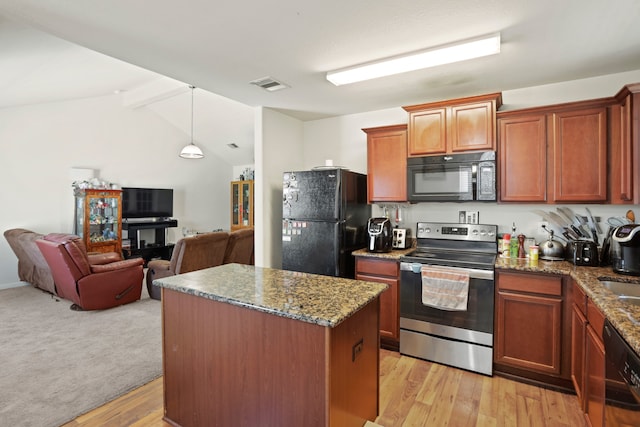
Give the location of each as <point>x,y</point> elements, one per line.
<point>152,250</point>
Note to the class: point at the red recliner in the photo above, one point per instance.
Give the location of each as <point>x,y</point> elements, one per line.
<point>89,285</point>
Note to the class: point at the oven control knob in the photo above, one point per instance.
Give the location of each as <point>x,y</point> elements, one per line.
<point>427,230</point>
<point>475,232</point>
<point>483,232</point>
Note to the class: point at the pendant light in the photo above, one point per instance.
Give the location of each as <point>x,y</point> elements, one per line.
<point>191,151</point>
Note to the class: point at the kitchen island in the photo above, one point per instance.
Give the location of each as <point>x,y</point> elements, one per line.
<point>251,346</point>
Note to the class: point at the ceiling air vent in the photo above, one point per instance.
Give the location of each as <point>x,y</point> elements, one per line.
<point>268,83</point>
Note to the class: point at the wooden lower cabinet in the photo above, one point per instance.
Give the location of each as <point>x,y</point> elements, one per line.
<point>578,340</point>
<point>388,272</point>
<point>594,366</point>
<point>532,328</point>
<point>588,356</point>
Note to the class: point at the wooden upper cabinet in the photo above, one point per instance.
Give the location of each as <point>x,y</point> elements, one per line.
<point>579,147</point>
<point>387,163</point>
<point>472,126</point>
<point>429,132</point>
<point>457,125</point>
<point>624,141</point>
<point>555,154</point>
<point>522,155</point>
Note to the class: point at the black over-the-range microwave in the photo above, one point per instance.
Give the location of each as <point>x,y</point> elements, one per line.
<point>452,177</point>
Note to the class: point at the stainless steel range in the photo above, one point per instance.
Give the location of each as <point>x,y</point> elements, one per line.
<point>462,337</point>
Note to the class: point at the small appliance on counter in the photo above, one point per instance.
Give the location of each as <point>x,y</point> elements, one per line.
<point>380,235</point>
<point>582,252</point>
<point>627,260</point>
<point>401,238</point>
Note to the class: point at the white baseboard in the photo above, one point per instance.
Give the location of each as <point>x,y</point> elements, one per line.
<point>13,285</point>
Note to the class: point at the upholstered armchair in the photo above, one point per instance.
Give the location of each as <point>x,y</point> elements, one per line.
<point>32,267</point>
<point>90,286</point>
<point>240,247</point>
<point>189,254</point>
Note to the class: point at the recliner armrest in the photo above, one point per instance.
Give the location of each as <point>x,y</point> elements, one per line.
<point>104,258</point>
<point>118,265</point>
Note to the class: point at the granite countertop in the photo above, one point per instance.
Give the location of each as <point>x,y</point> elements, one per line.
<point>395,254</point>
<point>624,316</point>
<point>323,300</point>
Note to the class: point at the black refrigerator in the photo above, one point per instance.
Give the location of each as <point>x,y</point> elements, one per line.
<point>324,219</point>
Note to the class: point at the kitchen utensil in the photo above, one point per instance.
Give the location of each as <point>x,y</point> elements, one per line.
<point>551,248</point>
<point>563,213</point>
<point>631,216</point>
<point>592,227</point>
<point>605,253</point>
<point>584,230</point>
<point>616,221</point>
<point>598,228</point>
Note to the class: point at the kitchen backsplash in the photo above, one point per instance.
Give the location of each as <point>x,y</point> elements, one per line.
<point>504,215</point>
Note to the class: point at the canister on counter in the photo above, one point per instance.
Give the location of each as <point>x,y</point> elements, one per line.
<point>506,245</point>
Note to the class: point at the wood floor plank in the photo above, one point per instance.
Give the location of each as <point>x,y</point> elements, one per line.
<point>413,393</point>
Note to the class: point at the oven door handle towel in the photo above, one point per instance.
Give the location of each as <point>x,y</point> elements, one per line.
<point>444,289</point>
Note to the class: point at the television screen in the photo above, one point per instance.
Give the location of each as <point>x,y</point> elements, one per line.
<point>147,202</point>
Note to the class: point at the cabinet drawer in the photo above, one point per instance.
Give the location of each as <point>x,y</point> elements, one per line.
<point>532,283</point>
<point>377,267</point>
<point>595,318</point>
<point>579,298</point>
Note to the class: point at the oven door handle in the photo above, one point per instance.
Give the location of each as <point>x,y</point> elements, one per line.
<point>473,273</point>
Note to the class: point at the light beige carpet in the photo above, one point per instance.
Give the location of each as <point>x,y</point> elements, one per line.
<point>56,364</point>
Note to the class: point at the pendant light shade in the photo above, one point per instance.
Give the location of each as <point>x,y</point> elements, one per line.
<point>191,151</point>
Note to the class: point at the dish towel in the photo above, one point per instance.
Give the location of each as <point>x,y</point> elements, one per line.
<point>444,289</point>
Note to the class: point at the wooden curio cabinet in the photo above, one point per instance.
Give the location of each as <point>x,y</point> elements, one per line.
<point>241,204</point>
<point>98,219</point>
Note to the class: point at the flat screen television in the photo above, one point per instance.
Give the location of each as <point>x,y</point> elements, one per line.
<point>147,202</point>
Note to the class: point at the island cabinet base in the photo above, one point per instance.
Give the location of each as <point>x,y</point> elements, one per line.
<point>226,365</point>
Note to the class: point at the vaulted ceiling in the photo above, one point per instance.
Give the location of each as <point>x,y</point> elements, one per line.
<point>222,46</point>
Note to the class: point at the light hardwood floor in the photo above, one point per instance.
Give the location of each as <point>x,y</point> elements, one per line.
<point>412,393</point>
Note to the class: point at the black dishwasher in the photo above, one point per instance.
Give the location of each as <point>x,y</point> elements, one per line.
<point>622,384</point>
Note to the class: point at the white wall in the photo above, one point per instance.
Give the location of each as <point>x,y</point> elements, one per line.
<point>279,148</point>
<point>42,143</point>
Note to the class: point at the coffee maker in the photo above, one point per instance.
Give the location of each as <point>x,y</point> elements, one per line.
<point>627,259</point>
<point>380,235</point>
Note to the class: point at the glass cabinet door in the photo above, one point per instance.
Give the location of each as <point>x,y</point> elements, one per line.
<point>241,204</point>
<point>246,207</point>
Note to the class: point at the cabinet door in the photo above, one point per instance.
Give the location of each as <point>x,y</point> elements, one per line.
<point>472,127</point>
<point>389,315</point>
<point>579,147</point>
<point>578,339</point>
<point>428,132</point>
<point>621,152</point>
<point>387,164</point>
<point>384,271</point>
<point>529,332</point>
<point>522,157</point>
<point>595,377</point>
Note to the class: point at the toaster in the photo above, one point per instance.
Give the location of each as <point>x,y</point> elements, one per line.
<point>582,252</point>
<point>401,238</point>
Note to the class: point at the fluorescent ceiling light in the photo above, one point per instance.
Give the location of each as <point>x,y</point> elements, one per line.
<point>455,52</point>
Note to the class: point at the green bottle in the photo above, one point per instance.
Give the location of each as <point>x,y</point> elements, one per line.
<point>513,245</point>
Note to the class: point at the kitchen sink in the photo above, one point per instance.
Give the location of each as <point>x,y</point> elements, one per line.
<point>629,292</point>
